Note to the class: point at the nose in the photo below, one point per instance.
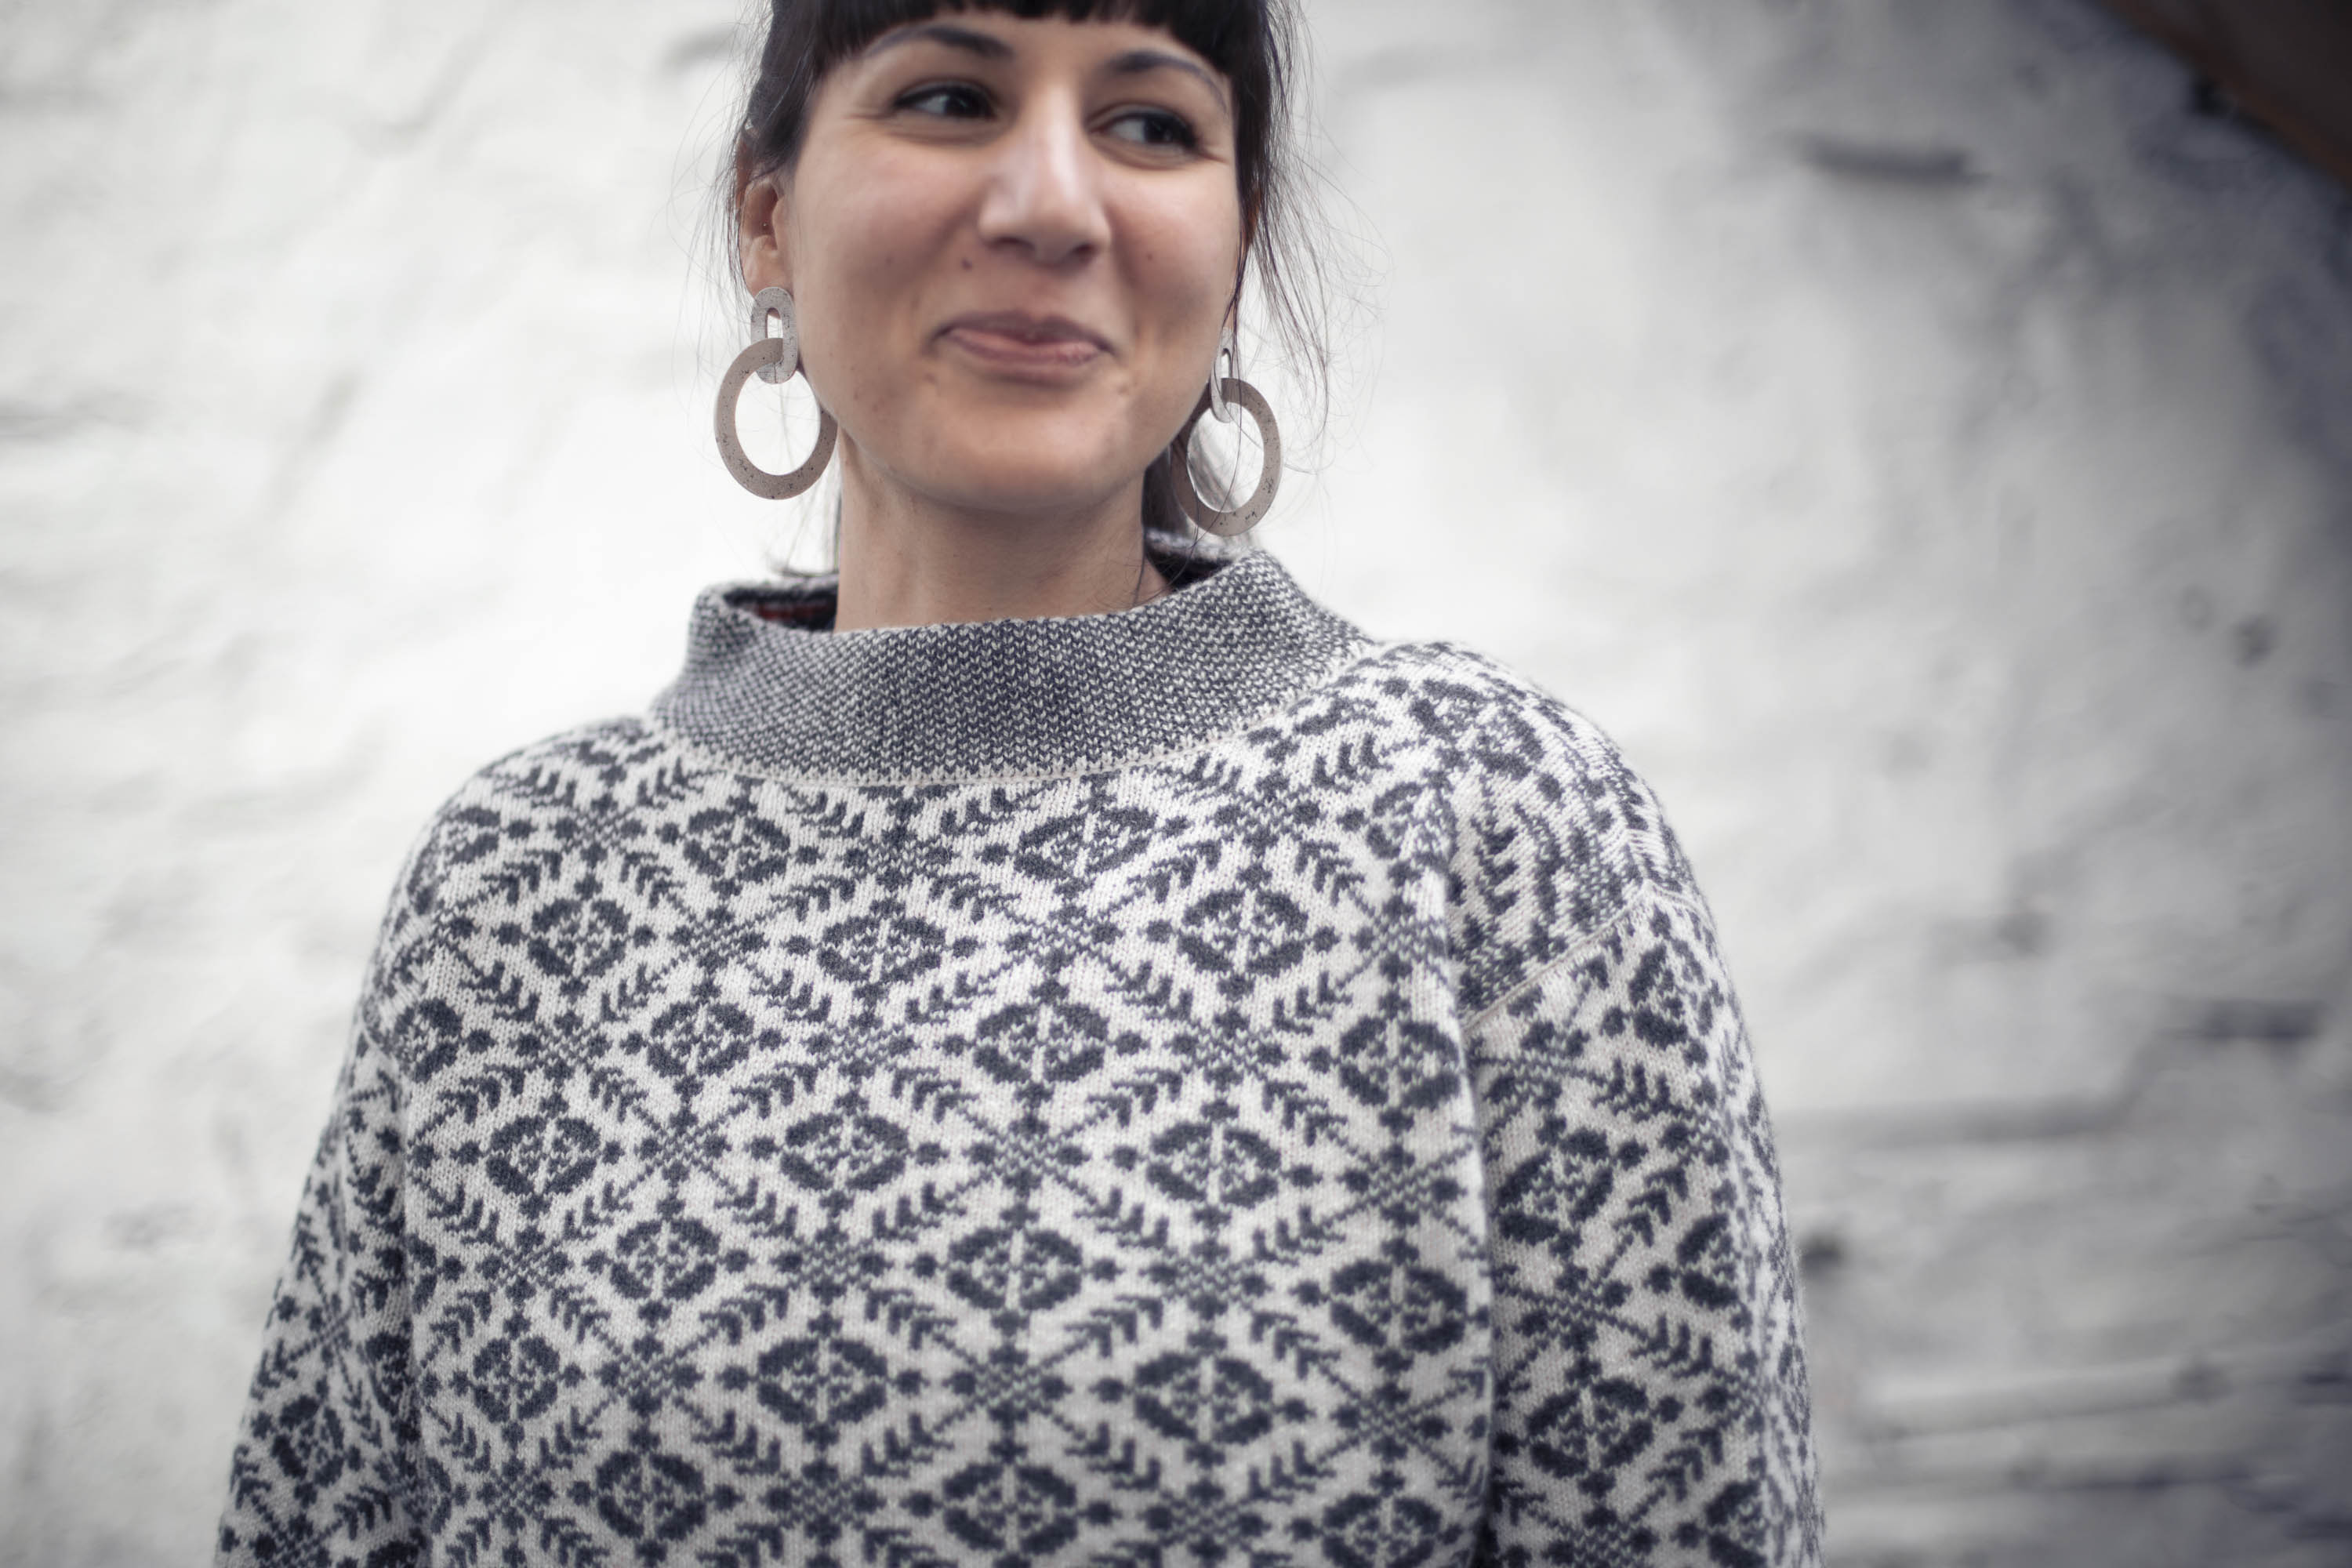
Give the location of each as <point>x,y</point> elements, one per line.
<point>1045,196</point>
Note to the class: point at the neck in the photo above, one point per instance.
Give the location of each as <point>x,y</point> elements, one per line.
<point>907,560</point>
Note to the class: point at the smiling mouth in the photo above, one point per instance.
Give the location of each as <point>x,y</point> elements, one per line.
<point>1017,340</point>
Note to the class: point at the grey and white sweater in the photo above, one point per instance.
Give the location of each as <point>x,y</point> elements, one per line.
<point>1188,1085</point>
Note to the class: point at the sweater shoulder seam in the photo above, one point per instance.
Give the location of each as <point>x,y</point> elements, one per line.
<point>1648,896</point>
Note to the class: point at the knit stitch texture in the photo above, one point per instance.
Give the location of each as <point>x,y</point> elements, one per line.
<point>1190,1085</point>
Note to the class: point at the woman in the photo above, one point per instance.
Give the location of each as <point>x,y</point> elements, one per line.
<point>1049,1046</point>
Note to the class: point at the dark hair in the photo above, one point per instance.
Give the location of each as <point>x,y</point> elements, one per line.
<point>1255,43</point>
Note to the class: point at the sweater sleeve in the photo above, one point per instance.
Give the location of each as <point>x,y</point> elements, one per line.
<point>322,1468</point>
<point>1649,1397</point>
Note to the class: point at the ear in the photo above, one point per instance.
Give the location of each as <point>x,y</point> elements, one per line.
<point>759,245</point>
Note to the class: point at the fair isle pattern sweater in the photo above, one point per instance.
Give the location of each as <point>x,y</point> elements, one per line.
<point>1194,1085</point>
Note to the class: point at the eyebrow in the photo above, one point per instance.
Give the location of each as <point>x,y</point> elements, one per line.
<point>1136,62</point>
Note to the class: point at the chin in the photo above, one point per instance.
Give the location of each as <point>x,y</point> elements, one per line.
<point>1025,492</point>
<point>1032,472</point>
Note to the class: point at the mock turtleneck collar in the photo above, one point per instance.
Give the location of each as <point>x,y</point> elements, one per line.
<point>994,697</point>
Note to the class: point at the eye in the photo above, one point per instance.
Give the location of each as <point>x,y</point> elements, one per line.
<point>1156,128</point>
<point>946,100</point>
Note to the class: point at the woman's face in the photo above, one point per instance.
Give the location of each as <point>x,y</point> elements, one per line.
<point>1012,246</point>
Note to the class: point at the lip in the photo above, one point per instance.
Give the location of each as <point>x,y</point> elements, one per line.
<point>1017,340</point>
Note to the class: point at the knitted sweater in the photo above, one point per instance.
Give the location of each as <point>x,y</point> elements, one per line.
<point>1188,1085</point>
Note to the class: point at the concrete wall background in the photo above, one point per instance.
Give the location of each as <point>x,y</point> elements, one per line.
<point>1912,428</point>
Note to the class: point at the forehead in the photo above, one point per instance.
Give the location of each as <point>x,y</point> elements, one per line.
<point>998,35</point>
<point>1209,29</point>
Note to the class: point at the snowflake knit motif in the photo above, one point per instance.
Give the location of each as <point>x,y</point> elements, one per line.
<point>1189,1085</point>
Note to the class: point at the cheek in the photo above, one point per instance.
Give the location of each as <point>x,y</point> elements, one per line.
<point>1185,265</point>
<point>1187,259</point>
<point>861,246</point>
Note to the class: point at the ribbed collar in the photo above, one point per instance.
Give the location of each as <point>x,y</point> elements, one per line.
<point>994,697</point>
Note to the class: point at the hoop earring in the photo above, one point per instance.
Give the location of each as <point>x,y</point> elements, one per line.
<point>1231,524</point>
<point>775,360</point>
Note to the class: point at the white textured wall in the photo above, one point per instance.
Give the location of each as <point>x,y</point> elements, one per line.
<point>1923,441</point>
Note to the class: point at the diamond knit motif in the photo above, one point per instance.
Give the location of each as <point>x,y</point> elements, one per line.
<point>1188,1085</point>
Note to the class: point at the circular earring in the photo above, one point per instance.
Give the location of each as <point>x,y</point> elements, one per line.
<point>1228,390</point>
<point>773,359</point>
